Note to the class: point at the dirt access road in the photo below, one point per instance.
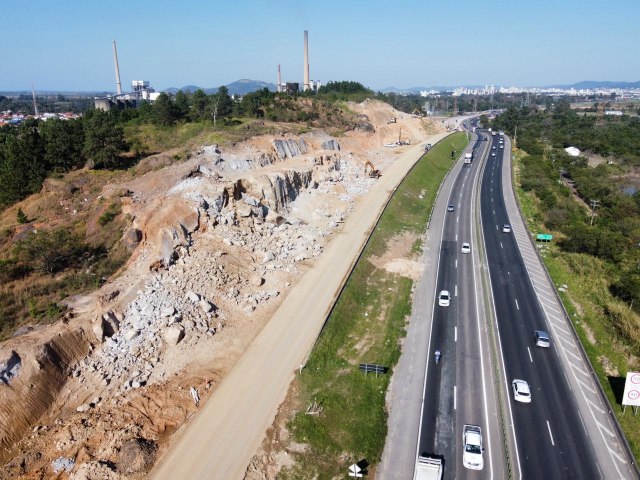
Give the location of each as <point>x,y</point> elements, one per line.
<point>220,440</point>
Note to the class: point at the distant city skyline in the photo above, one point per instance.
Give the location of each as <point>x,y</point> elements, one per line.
<point>66,46</point>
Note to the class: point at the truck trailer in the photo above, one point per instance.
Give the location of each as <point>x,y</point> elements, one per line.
<point>468,157</point>
<point>428,468</point>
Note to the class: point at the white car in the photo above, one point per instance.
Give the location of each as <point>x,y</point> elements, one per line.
<point>521,391</point>
<point>472,444</point>
<point>493,154</point>
<point>444,299</point>
<point>466,248</point>
<point>493,148</point>
<point>506,228</point>
<point>501,146</point>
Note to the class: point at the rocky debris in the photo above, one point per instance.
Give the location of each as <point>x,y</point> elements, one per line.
<point>85,407</point>
<point>10,367</point>
<point>136,455</point>
<point>61,463</point>
<point>96,470</point>
<point>289,148</point>
<point>253,219</point>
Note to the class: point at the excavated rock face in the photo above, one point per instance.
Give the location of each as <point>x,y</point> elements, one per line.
<point>275,190</point>
<point>33,389</point>
<point>289,148</point>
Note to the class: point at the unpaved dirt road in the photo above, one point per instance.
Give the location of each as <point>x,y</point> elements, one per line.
<point>220,440</point>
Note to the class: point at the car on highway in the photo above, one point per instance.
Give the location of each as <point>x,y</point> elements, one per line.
<point>521,391</point>
<point>444,299</point>
<point>466,248</point>
<point>506,228</point>
<point>450,208</point>
<point>493,148</point>
<point>493,154</point>
<point>472,447</point>
<point>541,339</point>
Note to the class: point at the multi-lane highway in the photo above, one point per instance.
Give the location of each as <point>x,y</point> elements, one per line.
<point>458,390</point>
<point>485,336</point>
<point>550,437</point>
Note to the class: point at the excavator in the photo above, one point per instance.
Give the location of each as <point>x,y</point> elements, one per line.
<point>373,171</point>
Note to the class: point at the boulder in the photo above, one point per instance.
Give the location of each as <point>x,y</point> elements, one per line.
<point>167,312</point>
<point>132,238</point>
<point>194,297</point>
<point>85,407</point>
<point>173,334</point>
<point>131,334</point>
<point>136,455</point>
<point>206,306</point>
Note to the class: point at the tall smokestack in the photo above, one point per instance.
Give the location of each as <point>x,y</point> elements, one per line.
<point>115,61</point>
<point>35,105</point>
<point>279,87</point>
<point>306,86</point>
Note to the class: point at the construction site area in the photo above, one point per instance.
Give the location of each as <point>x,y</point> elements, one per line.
<point>220,241</point>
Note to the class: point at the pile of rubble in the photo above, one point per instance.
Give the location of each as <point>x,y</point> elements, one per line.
<point>225,273</point>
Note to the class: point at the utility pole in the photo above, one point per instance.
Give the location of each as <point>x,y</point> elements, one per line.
<point>594,204</point>
<point>515,136</point>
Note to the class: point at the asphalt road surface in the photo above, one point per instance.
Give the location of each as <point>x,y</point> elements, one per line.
<point>551,439</point>
<point>459,389</point>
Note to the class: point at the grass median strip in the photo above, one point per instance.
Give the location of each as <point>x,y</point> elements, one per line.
<point>366,326</point>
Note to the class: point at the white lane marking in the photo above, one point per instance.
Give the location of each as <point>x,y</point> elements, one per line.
<point>501,245</point>
<point>586,386</point>
<point>455,334</point>
<point>494,212</point>
<point>517,306</point>
<point>456,263</point>
<point>530,357</point>
<point>602,427</point>
<point>550,435</point>
<point>456,291</point>
<point>594,406</point>
<point>454,397</point>
<point>456,237</point>
<point>620,459</point>
<point>457,218</point>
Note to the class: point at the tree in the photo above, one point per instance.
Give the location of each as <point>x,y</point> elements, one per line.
<point>164,111</point>
<point>22,163</point>
<point>104,139</point>
<point>63,143</point>
<point>51,252</point>
<point>221,104</point>
<point>199,103</point>
<point>21,217</point>
<point>181,103</point>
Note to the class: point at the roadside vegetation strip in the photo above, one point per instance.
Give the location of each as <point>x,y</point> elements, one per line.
<point>599,319</point>
<point>365,326</point>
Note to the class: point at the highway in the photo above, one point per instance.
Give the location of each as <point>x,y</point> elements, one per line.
<point>459,389</point>
<point>551,439</point>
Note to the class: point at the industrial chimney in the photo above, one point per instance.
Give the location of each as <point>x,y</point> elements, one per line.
<point>306,86</point>
<point>279,86</point>
<point>115,61</point>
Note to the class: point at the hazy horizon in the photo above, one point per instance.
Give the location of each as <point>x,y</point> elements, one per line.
<point>67,46</point>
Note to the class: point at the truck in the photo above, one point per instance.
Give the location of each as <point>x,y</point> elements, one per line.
<point>468,157</point>
<point>501,133</point>
<point>428,468</point>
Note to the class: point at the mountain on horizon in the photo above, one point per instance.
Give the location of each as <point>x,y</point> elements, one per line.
<point>239,87</point>
<point>590,84</point>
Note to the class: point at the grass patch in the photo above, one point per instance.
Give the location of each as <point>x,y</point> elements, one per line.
<point>366,325</point>
<point>607,327</point>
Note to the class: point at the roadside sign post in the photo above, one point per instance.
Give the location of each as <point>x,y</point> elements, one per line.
<point>631,395</point>
<point>355,471</point>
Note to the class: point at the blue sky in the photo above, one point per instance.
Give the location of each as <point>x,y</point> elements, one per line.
<point>66,45</point>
